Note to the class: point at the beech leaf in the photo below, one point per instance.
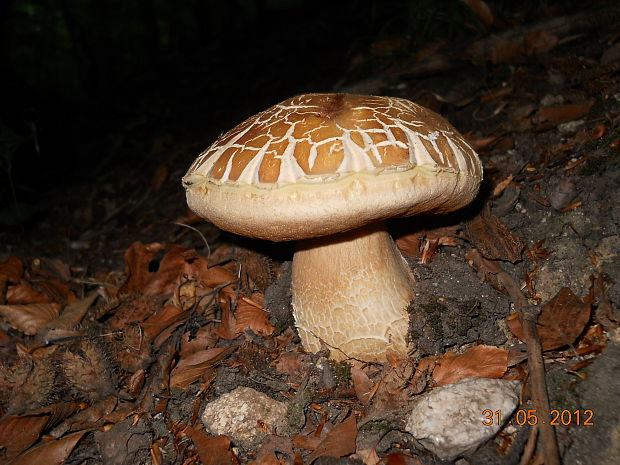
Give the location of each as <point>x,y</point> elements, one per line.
<point>51,452</point>
<point>478,362</point>
<point>340,441</point>
<point>19,433</point>
<point>362,384</point>
<point>29,318</point>
<point>561,320</point>
<point>212,451</point>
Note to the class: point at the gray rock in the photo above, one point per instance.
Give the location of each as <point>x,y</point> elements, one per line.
<point>246,416</point>
<point>449,420</point>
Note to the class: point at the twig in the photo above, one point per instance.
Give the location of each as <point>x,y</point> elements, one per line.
<point>204,239</point>
<point>530,446</point>
<point>527,315</point>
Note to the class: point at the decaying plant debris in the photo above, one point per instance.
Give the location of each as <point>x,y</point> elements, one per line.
<point>113,364</point>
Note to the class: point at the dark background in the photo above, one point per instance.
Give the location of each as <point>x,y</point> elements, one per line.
<point>87,86</point>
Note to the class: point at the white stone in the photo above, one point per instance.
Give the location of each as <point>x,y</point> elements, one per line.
<point>246,416</point>
<point>449,420</point>
<point>549,99</point>
<point>570,126</point>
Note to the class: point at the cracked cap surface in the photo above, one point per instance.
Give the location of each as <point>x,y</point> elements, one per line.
<point>317,164</point>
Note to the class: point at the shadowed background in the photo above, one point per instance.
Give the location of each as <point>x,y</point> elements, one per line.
<point>83,84</point>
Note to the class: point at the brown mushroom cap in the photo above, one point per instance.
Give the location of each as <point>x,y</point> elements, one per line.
<point>318,164</point>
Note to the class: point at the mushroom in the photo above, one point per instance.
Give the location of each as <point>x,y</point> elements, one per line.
<point>326,170</point>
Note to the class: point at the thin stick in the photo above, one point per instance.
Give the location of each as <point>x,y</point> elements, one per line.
<point>530,446</point>
<point>528,316</point>
<point>204,239</point>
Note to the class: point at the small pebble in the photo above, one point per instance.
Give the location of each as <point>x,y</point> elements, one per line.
<point>246,416</point>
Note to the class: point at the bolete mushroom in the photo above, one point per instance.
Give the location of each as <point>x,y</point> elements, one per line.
<point>326,170</point>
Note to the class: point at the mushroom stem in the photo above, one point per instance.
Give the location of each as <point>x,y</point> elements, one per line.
<point>351,291</point>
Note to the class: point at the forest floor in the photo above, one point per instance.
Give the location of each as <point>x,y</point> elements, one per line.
<point>119,323</point>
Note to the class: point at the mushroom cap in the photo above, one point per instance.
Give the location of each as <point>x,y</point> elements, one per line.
<point>318,164</point>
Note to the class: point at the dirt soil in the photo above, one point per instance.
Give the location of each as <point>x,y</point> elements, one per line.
<point>547,127</point>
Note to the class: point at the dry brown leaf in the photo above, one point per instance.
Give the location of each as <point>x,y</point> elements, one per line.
<point>216,276</point>
<point>51,452</point>
<point>250,316</point>
<point>417,244</point>
<point>166,333</point>
<point>212,451</point>
<point>157,458</point>
<point>291,363</point>
<point>274,444</point>
<point>538,42</point>
<point>480,143</point>
<point>611,55</point>
<point>478,362</point>
<point>409,244</point>
<point>307,442</point>
<point>192,367</point>
<point>137,259</point>
<point>57,290</point>
<point>557,114</point>
<point>340,441</point>
<point>164,318</point>
<point>499,188</point>
<point>154,269</point>
<point>362,384</point>
<point>203,339</point>
<point>5,340</point>
<point>599,131</point>
<point>267,460</point>
<point>57,412</point>
<point>24,293</point>
<point>520,119</point>
<point>186,295</point>
<point>492,238</point>
<point>30,317</point>
<point>72,315</point>
<point>429,49</point>
<point>561,320</point>
<point>11,269</point>
<point>136,382</point>
<point>482,11</point>
<point>504,50</point>
<point>497,93</point>
<point>512,49</point>
<point>170,272</point>
<point>18,433</point>
<point>57,267</point>
<point>91,417</point>
<point>367,456</point>
<point>227,329</point>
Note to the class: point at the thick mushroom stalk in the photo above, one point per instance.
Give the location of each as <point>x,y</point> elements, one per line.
<point>350,294</point>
